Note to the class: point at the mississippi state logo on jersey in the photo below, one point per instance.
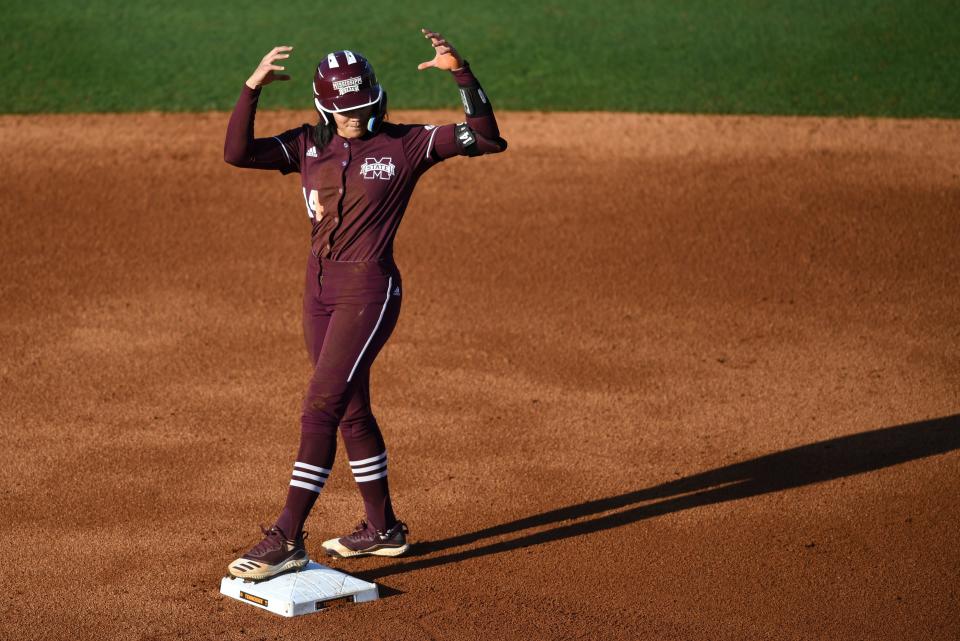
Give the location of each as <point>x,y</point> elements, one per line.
<point>382,168</point>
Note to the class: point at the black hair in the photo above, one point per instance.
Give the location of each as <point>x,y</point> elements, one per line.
<point>323,131</point>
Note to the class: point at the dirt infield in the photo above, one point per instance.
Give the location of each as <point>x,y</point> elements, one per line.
<point>657,377</point>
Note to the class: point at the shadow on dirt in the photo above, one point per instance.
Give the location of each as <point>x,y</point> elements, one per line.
<point>805,465</point>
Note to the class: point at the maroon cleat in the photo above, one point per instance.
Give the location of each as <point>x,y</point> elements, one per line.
<point>365,540</point>
<point>271,556</point>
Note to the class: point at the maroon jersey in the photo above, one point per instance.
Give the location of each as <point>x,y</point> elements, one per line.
<point>355,190</point>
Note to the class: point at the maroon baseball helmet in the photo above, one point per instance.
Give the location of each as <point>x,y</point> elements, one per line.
<point>344,80</point>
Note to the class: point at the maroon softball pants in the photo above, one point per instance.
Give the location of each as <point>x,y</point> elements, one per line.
<point>349,311</point>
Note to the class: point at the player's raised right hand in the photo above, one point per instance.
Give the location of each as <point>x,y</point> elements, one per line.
<point>264,73</point>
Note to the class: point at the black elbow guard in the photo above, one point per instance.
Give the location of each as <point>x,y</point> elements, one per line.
<point>466,139</point>
<point>475,102</point>
<point>472,143</point>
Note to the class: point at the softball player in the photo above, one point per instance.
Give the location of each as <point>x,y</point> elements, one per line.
<point>357,173</point>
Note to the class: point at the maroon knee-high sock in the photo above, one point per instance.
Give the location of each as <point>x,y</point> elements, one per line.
<point>368,461</point>
<point>310,471</point>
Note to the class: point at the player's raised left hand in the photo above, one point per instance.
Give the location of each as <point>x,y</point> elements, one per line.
<point>445,55</point>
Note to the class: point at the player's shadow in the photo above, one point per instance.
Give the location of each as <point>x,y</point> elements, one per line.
<point>796,467</point>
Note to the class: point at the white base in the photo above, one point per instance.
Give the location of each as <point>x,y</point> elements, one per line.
<point>314,588</point>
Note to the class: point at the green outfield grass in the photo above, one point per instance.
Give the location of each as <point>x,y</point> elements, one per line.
<point>830,57</point>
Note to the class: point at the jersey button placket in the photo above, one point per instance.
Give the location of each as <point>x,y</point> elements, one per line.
<point>343,180</point>
<point>344,163</point>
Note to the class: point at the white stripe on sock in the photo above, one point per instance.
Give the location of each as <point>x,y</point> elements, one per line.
<point>372,477</point>
<point>365,461</point>
<point>307,486</point>
<point>312,468</point>
<point>314,477</point>
<point>369,468</point>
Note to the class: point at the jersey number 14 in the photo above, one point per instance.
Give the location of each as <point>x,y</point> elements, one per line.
<point>314,208</point>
